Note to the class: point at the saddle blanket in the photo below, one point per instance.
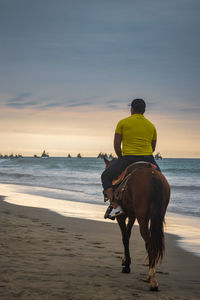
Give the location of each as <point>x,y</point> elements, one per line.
<point>120,183</point>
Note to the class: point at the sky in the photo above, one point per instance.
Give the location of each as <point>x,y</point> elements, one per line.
<point>69,69</point>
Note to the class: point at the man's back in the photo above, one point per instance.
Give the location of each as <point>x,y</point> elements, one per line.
<point>137,134</point>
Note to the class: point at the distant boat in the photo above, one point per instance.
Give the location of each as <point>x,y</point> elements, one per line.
<point>105,155</point>
<point>11,156</point>
<point>69,156</point>
<point>18,156</point>
<point>102,155</point>
<point>35,155</point>
<point>158,156</point>
<point>79,155</point>
<point>45,155</point>
<point>99,155</point>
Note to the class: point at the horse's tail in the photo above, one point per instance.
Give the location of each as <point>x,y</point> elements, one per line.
<point>156,246</point>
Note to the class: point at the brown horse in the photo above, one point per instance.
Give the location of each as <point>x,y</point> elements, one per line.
<point>145,198</point>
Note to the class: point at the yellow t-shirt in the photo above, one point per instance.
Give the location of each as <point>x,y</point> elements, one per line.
<point>137,134</point>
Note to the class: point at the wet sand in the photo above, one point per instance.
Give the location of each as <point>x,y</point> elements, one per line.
<point>47,256</point>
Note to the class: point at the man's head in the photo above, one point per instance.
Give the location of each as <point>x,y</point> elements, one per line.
<point>138,106</point>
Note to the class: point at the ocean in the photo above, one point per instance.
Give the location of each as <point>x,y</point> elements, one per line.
<point>72,187</point>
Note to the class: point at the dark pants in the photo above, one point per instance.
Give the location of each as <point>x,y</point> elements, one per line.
<point>118,166</point>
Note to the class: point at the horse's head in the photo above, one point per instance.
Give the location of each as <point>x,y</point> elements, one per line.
<point>109,162</point>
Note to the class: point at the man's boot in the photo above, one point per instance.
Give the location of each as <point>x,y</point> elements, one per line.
<point>114,209</point>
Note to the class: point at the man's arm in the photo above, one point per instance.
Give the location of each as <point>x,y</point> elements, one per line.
<point>153,144</point>
<point>117,144</point>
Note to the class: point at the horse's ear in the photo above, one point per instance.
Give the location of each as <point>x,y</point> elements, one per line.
<point>106,161</point>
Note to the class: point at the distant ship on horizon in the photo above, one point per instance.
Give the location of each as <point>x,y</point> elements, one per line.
<point>44,155</point>
<point>105,155</point>
<point>158,156</point>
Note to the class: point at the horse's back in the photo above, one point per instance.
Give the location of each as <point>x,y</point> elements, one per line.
<point>139,189</point>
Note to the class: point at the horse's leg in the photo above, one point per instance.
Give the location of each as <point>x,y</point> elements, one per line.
<point>131,221</point>
<point>126,233</point>
<point>129,226</point>
<point>144,231</point>
<point>143,224</point>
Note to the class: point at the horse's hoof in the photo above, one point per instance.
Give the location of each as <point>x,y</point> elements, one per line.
<point>154,288</point>
<point>153,284</point>
<point>126,270</point>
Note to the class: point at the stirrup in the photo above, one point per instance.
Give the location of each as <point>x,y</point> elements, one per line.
<point>109,209</point>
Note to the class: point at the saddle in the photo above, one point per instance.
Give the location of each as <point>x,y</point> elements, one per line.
<point>120,184</point>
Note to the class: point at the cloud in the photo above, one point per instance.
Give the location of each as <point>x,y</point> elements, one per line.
<point>25,100</point>
<point>77,50</point>
<point>79,104</point>
<point>111,101</point>
<point>29,100</point>
<point>21,105</point>
<point>20,97</point>
<point>21,100</point>
<point>162,105</point>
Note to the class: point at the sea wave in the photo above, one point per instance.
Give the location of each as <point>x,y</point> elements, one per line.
<point>16,175</point>
<point>79,179</point>
<point>183,188</point>
<point>181,170</point>
<point>189,211</point>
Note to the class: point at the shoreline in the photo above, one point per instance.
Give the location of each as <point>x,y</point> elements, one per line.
<point>47,256</point>
<point>185,227</point>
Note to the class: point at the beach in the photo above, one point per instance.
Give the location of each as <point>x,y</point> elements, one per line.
<point>48,256</point>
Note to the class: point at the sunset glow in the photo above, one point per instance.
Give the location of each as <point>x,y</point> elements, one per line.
<point>69,71</point>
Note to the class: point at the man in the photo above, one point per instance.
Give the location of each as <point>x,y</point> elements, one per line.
<point>135,140</point>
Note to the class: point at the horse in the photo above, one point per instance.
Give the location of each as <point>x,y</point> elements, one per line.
<point>145,197</point>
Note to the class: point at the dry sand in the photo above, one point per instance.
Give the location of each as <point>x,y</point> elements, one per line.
<point>46,256</point>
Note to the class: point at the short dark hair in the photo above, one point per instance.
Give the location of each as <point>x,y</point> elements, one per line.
<point>138,105</point>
